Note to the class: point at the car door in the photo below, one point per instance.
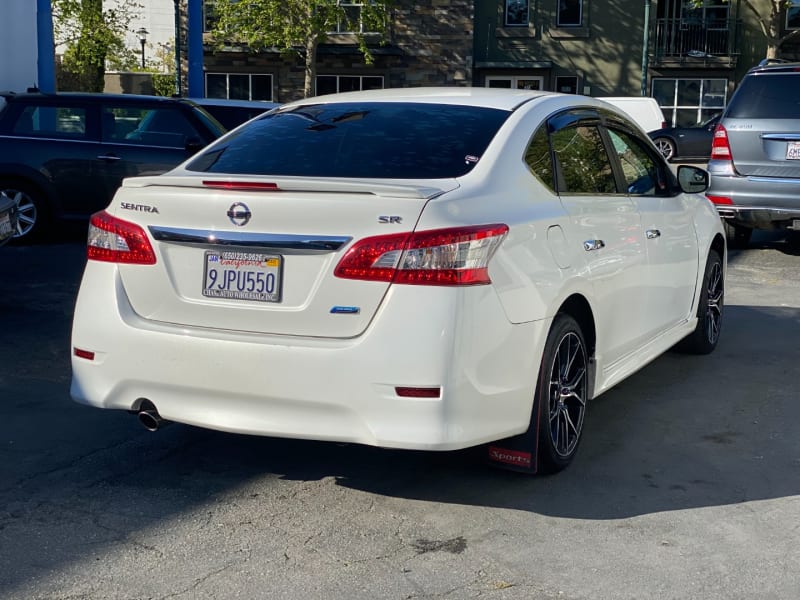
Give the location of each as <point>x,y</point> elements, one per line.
<point>605,226</point>
<point>142,140</point>
<point>668,227</point>
<point>56,137</point>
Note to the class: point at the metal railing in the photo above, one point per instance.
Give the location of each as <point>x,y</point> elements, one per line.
<point>693,38</point>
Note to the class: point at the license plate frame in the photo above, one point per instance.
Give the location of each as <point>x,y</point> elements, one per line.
<point>242,275</point>
<point>793,151</point>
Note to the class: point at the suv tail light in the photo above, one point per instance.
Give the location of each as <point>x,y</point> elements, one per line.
<point>114,240</point>
<point>458,256</point>
<point>720,148</point>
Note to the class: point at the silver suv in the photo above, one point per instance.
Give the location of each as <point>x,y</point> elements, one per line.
<point>755,155</point>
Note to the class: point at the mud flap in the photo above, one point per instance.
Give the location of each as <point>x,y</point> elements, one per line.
<point>517,453</point>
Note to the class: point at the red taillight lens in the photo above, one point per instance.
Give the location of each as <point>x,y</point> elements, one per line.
<point>720,148</point>
<point>242,186</point>
<point>458,256</point>
<point>719,199</point>
<point>114,240</point>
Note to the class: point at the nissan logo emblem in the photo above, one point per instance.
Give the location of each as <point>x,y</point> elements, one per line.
<point>239,214</point>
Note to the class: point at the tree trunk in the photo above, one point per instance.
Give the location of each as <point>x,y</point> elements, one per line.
<point>311,66</point>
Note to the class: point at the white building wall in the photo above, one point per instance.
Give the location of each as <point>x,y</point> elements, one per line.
<point>158,18</point>
<point>18,45</point>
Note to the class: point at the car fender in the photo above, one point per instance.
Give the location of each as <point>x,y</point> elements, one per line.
<point>33,177</point>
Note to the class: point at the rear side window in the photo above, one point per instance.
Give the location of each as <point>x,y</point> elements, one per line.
<point>369,140</point>
<point>51,121</point>
<point>772,96</point>
<point>164,127</point>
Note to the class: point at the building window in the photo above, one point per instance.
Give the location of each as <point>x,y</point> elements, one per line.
<point>354,23</point>
<point>567,85</point>
<point>516,13</point>
<point>570,13</point>
<point>793,14</point>
<point>515,83</point>
<point>209,15</point>
<point>333,84</point>
<point>239,86</point>
<point>710,15</point>
<point>686,102</point>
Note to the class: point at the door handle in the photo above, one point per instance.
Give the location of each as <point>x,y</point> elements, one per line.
<point>108,157</point>
<point>590,245</point>
<point>652,234</point>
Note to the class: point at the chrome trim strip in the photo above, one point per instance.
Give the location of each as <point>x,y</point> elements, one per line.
<point>762,179</point>
<point>287,243</point>
<point>785,137</point>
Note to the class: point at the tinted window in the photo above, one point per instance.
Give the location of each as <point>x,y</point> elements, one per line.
<point>374,140</point>
<point>643,174</point>
<point>165,127</point>
<point>539,160</point>
<point>583,165</point>
<point>51,121</point>
<point>767,97</point>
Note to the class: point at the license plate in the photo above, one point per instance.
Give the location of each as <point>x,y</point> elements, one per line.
<point>237,275</point>
<point>793,151</point>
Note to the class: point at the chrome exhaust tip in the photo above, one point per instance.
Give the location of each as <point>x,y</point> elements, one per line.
<point>151,420</point>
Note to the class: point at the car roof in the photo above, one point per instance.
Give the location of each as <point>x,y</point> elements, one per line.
<point>90,97</point>
<point>775,66</point>
<point>499,98</point>
<point>266,105</point>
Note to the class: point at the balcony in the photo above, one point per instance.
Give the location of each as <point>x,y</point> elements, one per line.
<point>713,43</point>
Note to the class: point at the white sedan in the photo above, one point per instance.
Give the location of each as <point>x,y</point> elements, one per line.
<point>407,268</point>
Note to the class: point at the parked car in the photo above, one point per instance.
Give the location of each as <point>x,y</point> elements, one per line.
<point>686,143</point>
<point>232,113</point>
<point>8,218</point>
<point>644,111</point>
<point>755,156</point>
<point>356,268</point>
<point>64,155</point>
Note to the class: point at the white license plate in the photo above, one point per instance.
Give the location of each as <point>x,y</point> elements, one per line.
<point>238,275</point>
<point>793,151</point>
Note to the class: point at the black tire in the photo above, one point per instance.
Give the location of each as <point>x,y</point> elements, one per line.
<point>704,338</point>
<point>561,395</point>
<point>666,147</point>
<point>738,235</point>
<point>32,219</point>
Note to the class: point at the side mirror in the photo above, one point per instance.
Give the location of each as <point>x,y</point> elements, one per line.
<point>693,180</point>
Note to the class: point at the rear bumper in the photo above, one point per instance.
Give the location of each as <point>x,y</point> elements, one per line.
<point>457,339</point>
<point>757,202</point>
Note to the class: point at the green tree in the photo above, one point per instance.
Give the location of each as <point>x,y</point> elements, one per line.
<point>770,20</point>
<point>296,27</point>
<point>92,35</point>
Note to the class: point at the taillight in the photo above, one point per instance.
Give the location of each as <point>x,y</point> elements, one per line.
<point>114,240</point>
<point>719,199</point>
<point>720,148</point>
<point>457,256</point>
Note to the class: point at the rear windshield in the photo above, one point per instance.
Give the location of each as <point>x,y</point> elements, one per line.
<point>774,96</point>
<point>365,140</point>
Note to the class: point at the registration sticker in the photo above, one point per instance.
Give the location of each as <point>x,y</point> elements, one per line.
<point>238,275</point>
<point>793,151</point>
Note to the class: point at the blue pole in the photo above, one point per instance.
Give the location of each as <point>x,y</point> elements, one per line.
<point>196,83</point>
<point>46,64</point>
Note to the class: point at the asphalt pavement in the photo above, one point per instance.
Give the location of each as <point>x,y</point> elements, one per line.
<point>687,484</point>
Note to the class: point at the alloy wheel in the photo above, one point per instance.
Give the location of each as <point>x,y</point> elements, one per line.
<point>567,394</point>
<point>715,294</point>
<point>27,213</point>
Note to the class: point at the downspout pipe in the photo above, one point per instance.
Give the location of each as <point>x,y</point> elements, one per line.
<point>645,46</point>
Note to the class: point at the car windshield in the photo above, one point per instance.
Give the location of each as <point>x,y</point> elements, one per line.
<point>772,96</point>
<point>389,140</point>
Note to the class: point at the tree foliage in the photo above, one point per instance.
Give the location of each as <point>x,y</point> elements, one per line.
<point>771,24</point>
<point>92,35</point>
<point>296,26</point>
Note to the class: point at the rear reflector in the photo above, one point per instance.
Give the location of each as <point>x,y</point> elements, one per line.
<point>243,186</point>
<point>457,256</point>
<point>114,240</point>
<point>83,354</point>
<point>414,392</point>
<point>719,199</point>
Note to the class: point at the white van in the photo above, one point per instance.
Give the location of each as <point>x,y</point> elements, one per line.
<point>645,112</point>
